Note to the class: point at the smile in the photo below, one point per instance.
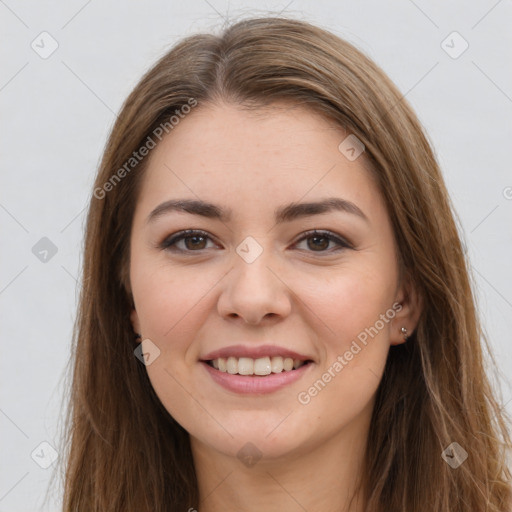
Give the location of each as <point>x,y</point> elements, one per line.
<point>255,369</point>
<point>261,366</point>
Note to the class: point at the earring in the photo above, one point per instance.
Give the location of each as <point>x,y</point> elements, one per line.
<point>138,336</point>
<point>403,330</point>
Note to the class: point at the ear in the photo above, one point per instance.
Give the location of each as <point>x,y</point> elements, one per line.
<point>134,317</point>
<point>408,314</point>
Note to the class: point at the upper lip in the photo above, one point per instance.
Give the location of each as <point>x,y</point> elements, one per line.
<point>254,352</point>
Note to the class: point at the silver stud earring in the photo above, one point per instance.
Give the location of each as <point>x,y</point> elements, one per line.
<point>403,330</point>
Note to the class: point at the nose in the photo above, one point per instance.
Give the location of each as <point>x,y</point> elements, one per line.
<point>254,292</point>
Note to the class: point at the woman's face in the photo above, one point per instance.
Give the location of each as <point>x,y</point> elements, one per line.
<point>255,290</point>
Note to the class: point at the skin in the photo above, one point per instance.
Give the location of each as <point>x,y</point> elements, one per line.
<point>299,294</point>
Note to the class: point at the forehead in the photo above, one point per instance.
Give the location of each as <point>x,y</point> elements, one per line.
<point>254,158</point>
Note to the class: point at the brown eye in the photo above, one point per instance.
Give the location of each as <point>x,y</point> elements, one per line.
<point>318,241</point>
<point>193,241</point>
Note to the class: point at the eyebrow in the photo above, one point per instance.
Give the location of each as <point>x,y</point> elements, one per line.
<point>282,214</point>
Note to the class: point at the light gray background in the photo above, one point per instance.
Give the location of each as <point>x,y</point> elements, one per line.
<point>57,112</point>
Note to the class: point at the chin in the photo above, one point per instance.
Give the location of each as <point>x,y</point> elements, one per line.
<point>266,435</point>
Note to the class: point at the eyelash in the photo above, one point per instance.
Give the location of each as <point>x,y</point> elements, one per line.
<point>171,241</point>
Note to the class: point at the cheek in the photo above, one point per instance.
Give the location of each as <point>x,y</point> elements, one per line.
<point>350,301</point>
<point>172,306</point>
<point>165,295</point>
<point>356,344</point>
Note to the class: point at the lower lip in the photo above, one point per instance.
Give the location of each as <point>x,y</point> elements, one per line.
<point>256,384</point>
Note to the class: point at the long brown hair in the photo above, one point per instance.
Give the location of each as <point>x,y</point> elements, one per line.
<point>124,452</point>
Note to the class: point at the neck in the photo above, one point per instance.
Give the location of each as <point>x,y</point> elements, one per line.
<point>325,477</point>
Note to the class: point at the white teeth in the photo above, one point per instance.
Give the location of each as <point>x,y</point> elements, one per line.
<point>246,366</point>
<point>277,364</point>
<point>232,365</point>
<point>260,366</point>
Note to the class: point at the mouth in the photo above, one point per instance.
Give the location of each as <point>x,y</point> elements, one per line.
<point>260,367</point>
<point>256,370</point>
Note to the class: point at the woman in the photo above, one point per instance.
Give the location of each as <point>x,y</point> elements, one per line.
<point>276,312</point>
